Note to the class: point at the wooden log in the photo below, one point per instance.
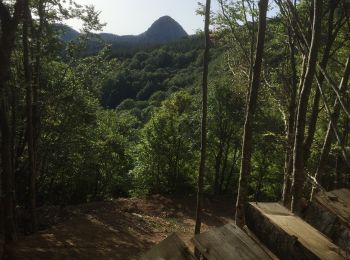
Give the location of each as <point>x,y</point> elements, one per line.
<point>170,248</point>
<point>229,242</point>
<point>329,212</point>
<point>287,235</point>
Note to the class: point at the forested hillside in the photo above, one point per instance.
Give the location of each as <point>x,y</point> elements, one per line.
<point>255,108</point>
<point>155,70</point>
<point>162,31</point>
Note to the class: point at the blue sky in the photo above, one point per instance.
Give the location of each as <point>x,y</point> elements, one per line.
<point>135,16</point>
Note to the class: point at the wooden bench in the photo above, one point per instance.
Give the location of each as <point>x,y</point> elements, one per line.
<point>170,248</point>
<point>229,242</point>
<point>287,235</point>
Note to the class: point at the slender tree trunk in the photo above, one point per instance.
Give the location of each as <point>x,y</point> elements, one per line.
<point>252,44</point>
<point>204,121</point>
<point>218,160</point>
<point>337,177</point>
<point>315,108</point>
<point>288,165</point>
<point>298,153</point>
<point>232,168</point>
<point>29,113</point>
<point>9,26</point>
<point>330,135</point>
<point>335,128</point>
<point>248,125</point>
<point>14,156</point>
<point>7,173</point>
<point>36,87</point>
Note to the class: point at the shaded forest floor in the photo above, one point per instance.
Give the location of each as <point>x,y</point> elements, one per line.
<point>120,229</point>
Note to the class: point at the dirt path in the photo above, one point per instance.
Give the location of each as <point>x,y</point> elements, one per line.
<point>122,229</point>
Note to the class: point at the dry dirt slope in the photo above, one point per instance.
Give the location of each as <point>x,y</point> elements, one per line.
<point>121,229</point>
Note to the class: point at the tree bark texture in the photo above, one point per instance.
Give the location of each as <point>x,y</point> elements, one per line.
<point>29,113</point>
<point>331,35</point>
<point>204,121</point>
<point>299,175</point>
<point>248,125</point>
<point>9,25</point>
<point>291,125</point>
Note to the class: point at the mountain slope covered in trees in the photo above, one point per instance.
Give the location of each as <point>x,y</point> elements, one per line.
<point>83,120</point>
<point>163,30</point>
<point>158,70</point>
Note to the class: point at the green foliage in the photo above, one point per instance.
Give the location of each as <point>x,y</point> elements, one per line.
<point>165,157</point>
<point>84,146</point>
<point>111,128</point>
<point>225,129</point>
<point>160,69</point>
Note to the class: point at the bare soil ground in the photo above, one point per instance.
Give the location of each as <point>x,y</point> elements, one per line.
<point>120,229</point>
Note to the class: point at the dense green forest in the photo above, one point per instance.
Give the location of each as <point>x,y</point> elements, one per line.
<point>81,124</point>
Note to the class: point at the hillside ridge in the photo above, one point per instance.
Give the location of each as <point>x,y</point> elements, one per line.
<point>163,30</point>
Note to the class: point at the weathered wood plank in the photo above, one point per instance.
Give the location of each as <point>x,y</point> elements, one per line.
<point>257,240</point>
<point>228,242</point>
<point>170,248</point>
<point>287,235</point>
<point>336,201</point>
<point>329,212</point>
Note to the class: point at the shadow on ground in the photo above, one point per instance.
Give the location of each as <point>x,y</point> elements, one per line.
<point>121,229</point>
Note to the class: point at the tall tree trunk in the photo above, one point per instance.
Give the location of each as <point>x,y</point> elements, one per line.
<point>288,164</point>
<point>326,55</point>
<point>335,127</point>
<point>298,153</point>
<point>248,125</point>
<point>36,87</point>
<point>335,117</point>
<point>29,113</point>
<point>7,172</point>
<point>232,168</point>
<point>204,120</point>
<point>9,25</point>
